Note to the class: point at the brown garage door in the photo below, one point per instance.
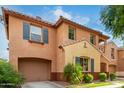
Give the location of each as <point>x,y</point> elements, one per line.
<point>112,68</point>
<point>103,67</point>
<point>34,69</point>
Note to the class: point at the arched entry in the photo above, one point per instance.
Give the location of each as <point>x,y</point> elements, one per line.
<point>34,69</point>
<point>103,67</point>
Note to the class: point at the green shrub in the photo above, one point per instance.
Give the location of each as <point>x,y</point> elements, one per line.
<point>102,76</point>
<point>8,76</point>
<point>112,76</point>
<point>74,79</point>
<point>73,73</point>
<point>88,78</point>
<point>68,70</point>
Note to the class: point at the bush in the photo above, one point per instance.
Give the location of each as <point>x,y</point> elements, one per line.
<point>68,70</point>
<point>88,78</point>
<point>112,76</point>
<point>8,76</point>
<point>73,73</point>
<point>102,76</point>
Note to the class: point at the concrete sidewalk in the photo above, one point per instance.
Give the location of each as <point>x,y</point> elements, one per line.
<point>42,84</point>
<point>115,85</point>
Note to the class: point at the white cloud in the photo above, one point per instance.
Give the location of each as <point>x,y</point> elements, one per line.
<point>79,19</point>
<point>60,12</point>
<point>82,20</point>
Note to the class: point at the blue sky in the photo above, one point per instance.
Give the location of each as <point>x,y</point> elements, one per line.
<point>84,14</point>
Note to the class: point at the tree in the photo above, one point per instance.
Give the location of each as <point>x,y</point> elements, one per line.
<point>9,78</point>
<point>112,18</point>
<point>73,73</point>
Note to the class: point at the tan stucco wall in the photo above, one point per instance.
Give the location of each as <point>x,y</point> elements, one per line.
<point>19,47</point>
<point>112,68</point>
<point>120,67</point>
<point>107,56</point>
<point>80,34</point>
<point>106,62</point>
<point>77,49</point>
<point>61,37</point>
<point>108,51</point>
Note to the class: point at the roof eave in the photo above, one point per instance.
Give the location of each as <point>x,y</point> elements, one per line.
<point>62,19</point>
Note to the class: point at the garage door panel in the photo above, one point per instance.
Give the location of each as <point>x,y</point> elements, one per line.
<point>112,68</point>
<point>35,70</point>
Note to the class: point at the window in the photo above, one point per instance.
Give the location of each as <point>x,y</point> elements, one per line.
<point>112,53</point>
<point>83,62</point>
<point>71,33</point>
<point>93,39</point>
<point>34,33</point>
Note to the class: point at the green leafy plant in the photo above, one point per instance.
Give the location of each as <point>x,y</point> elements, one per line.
<point>112,76</point>
<point>8,76</point>
<point>73,73</point>
<point>113,20</point>
<point>102,76</point>
<point>68,70</point>
<point>88,78</point>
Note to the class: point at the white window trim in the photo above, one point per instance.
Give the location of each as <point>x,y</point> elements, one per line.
<point>34,33</point>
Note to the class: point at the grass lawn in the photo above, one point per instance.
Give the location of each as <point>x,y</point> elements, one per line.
<point>90,85</point>
<point>121,82</point>
<point>122,87</point>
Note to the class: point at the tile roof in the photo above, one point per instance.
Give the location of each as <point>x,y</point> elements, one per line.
<point>61,19</point>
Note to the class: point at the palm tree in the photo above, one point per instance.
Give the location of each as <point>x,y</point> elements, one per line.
<point>112,17</point>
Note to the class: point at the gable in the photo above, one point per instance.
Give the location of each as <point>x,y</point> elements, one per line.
<point>81,49</point>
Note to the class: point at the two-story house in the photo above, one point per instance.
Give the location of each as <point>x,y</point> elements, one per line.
<point>111,54</point>
<point>40,50</point>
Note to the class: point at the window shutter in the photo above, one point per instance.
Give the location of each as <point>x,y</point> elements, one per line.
<point>92,65</point>
<point>26,31</point>
<point>45,35</point>
<point>77,60</point>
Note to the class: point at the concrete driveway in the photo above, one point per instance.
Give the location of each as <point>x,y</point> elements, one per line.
<point>42,84</point>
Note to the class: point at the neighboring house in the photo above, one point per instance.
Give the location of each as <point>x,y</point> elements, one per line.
<point>40,50</point>
<point>111,56</point>
<point>120,63</point>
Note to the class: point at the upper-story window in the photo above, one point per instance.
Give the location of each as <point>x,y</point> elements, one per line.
<point>71,33</point>
<point>93,39</point>
<point>34,33</point>
<point>112,53</point>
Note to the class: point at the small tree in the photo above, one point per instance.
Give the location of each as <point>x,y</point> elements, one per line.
<point>8,76</point>
<point>68,70</point>
<point>73,73</point>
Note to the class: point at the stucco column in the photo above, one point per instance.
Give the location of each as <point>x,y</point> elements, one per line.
<point>107,67</point>
<point>14,62</point>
